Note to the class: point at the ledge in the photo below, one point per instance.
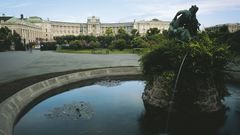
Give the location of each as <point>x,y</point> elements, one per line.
<point>11,108</point>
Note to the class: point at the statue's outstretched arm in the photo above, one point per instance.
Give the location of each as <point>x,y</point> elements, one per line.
<point>178,13</point>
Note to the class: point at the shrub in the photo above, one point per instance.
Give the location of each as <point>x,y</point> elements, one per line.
<point>119,44</point>
<point>233,41</point>
<point>6,38</point>
<point>48,46</point>
<point>205,60</point>
<point>138,42</point>
<point>94,44</point>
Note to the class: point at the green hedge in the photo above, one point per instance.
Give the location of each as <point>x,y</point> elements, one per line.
<point>48,46</point>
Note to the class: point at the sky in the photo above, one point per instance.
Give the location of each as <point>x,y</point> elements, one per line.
<point>211,12</point>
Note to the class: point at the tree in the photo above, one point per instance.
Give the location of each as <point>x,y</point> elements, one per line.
<point>94,44</point>
<point>202,74</point>
<point>6,38</point>
<point>59,40</point>
<point>223,36</point>
<point>105,41</point>
<point>123,35</point>
<point>119,44</point>
<point>17,41</point>
<point>153,31</point>
<point>70,38</point>
<point>224,29</point>
<point>89,38</point>
<point>165,33</point>
<point>121,31</point>
<point>138,42</point>
<point>233,41</point>
<point>135,32</point>
<point>109,32</point>
<point>74,42</point>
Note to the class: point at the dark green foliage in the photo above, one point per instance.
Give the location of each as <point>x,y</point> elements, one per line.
<point>69,38</point>
<point>154,40</point>
<point>109,32</point>
<point>9,38</point>
<point>153,31</point>
<point>60,40</point>
<point>48,46</point>
<point>135,33</point>
<point>105,41</point>
<point>205,61</point>
<point>84,42</point>
<point>165,33</point>
<point>138,42</point>
<point>112,41</point>
<point>165,58</point>
<point>123,35</point>
<point>234,42</point>
<point>6,38</point>
<point>224,29</point>
<point>223,36</point>
<point>74,45</point>
<point>94,44</point>
<point>167,82</point>
<point>81,44</point>
<point>18,41</point>
<point>119,44</point>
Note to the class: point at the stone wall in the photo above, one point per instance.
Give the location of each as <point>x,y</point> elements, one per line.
<point>233,71</point>
<point>11,108</point>
<point>155,95</point>
<point>201,96</point>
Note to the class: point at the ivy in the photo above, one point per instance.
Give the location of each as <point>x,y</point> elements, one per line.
<point>205,60</point>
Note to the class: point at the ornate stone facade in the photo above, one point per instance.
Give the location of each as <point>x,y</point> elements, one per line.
<point>232,27</point>
<point>27,30</point>
<point>35,29</point>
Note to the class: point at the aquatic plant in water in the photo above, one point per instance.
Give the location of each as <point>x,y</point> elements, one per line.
<point>73,111</point>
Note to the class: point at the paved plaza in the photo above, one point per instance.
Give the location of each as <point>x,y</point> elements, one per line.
<point>20,64</point>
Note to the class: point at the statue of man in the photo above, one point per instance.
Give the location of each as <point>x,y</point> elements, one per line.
<point>184,25</point>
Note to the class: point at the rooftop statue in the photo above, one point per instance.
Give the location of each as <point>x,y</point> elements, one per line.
<point>184,25</point>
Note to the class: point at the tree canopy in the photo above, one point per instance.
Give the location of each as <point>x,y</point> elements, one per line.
<point>8,38</point>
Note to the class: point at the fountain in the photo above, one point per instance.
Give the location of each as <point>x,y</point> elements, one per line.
<point>201,88</point>
<point>183,77</point>
<point>174,92</point>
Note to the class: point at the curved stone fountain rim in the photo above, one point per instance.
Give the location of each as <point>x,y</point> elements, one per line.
<point>11,108</point>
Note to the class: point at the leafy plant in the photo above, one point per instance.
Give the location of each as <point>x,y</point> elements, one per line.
<point>206,60</point>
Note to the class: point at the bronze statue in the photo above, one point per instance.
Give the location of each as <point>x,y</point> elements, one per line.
<point>184,25</point>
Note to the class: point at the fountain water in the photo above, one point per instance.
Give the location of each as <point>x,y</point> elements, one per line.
<point>174,92</point>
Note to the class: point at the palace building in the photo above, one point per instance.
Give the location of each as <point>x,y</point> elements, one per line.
<point>35,29</point>
<point>231,27</point>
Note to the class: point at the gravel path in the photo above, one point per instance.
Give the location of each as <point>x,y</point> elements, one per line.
<point>19,64</point>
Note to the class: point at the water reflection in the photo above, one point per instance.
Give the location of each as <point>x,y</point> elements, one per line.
<point>73,111</point>
<point>225,122</point>
<point>119,110</point>
<point>116,111</point>
<point>232,123</point>
<point>109,83</point>
<point>182,123</point>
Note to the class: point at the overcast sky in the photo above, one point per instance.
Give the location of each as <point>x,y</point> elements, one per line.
<point>211,12</point>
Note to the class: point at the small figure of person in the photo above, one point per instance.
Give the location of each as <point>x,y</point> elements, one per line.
<point>30,47</point>
<point>27,47</point>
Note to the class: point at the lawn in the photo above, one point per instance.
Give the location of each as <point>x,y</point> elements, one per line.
<point>106,51</point>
